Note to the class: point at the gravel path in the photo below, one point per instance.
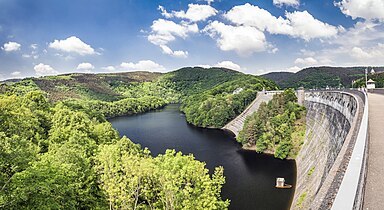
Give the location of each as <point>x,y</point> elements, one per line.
<point>374,196</point>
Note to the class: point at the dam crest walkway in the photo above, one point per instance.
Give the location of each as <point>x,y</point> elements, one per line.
<point>373,198</point>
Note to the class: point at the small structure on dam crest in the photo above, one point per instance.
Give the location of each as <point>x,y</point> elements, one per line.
<point>371,84</point>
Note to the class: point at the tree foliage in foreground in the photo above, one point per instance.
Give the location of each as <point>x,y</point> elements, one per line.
<point>61,157</point>
<point>134,180</point>
<point>278,127</point>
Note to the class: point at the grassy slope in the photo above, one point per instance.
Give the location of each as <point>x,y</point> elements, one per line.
<point>89,86</point>
<point>193,80</point>
<point>115,86</point>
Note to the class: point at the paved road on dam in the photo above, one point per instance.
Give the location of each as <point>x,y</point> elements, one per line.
<point>374,196</point>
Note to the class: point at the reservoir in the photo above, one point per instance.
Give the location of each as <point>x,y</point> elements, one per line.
<point>250,177</point>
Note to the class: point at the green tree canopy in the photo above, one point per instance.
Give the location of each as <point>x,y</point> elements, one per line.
<point>132,179</point>
<point>275,126</point>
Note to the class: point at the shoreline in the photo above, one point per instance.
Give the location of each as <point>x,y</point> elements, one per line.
<point>267,152</point>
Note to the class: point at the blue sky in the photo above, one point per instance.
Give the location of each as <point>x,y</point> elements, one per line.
<point>45,37</point>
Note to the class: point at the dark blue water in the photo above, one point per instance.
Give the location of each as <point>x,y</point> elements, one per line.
<point>250,177</point>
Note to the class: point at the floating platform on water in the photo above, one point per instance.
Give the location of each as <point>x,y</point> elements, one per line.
<point>286,186</point>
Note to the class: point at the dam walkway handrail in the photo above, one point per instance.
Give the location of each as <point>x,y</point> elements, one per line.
<point>351,190</point>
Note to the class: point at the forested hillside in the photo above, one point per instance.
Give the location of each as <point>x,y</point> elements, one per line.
<point>319,77</point>
<point>220,104</point>
<point>278,77</point>
<point>109,94</point>
<point>209,97</point>
<point>198,89</point>
<point>278,127</point>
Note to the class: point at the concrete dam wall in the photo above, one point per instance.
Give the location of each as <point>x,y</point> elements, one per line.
<point>332,121</point>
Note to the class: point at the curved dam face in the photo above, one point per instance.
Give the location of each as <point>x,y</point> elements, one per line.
<point>331,121</point>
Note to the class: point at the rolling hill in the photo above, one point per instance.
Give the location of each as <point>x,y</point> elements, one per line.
<point>319,77</point>
<point>115,94</point>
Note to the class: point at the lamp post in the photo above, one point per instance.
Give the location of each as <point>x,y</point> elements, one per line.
<point>366,76</point>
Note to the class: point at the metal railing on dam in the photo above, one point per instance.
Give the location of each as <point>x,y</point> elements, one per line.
<point>351,191</point>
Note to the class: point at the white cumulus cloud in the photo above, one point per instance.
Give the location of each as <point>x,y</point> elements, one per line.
<point>286,2</point>
<point>168,27</point>
<point>195,12</point>
<point>165,31</point>
<point>294,69</point>
<point>109,68</point>
<point>305,26</point>
<point>87,67</point>
<point>373,54</point>
<point>362,34</point>
<point>11,46</point>
<point>177,53</point>
<point>228,65</point>
<point>367,9</point>
<point>360,45</point>
<point>296,24</point>
<point>244,40</point>
<point>308,61</point>
<point>143,65</point>
<point>254,16</point>
<point>16,73</point>
<point>43,69</point>
<point>72,45</point>
<point>223,64</point>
